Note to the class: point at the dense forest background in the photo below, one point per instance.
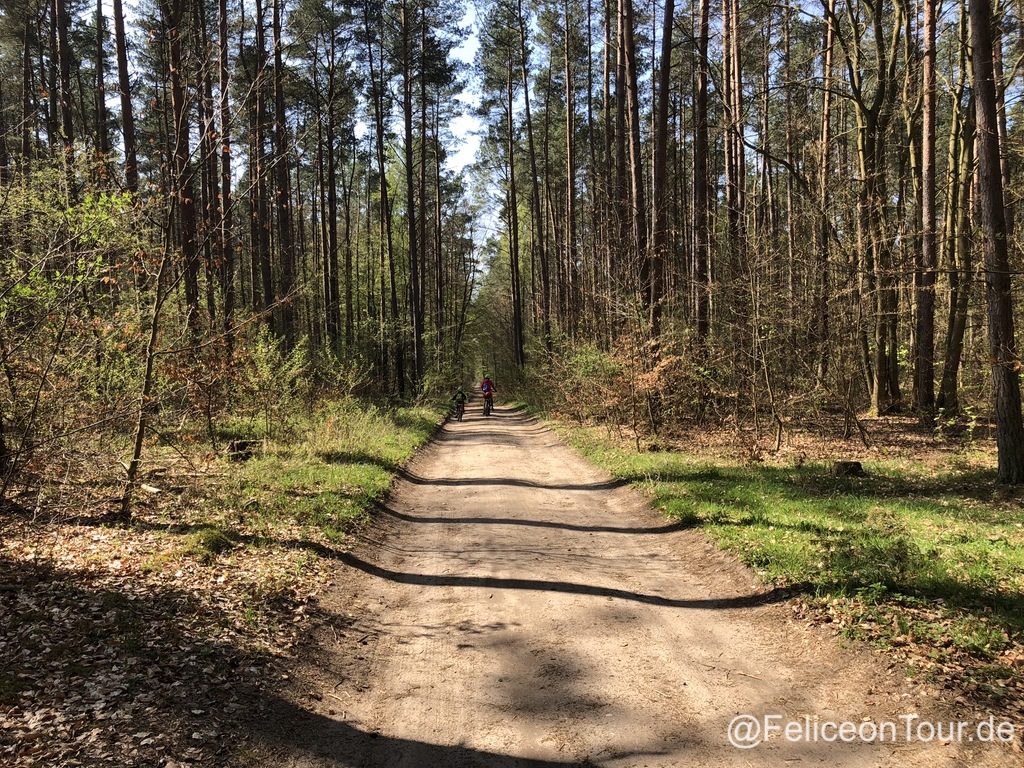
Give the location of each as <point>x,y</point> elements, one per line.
<point>769,215</point>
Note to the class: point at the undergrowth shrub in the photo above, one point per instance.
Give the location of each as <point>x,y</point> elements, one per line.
<point>274,384</point>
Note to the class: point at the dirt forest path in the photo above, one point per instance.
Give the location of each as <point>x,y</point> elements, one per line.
<point>518,608</point>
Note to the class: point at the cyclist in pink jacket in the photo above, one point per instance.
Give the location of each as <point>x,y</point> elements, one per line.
<point>488,389</point>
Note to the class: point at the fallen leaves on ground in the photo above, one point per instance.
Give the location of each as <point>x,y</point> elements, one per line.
<point>920,636</point>
<point>120,646</point>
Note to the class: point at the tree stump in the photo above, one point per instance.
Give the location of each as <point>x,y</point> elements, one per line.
<point>848,469</point>
<point>241,450</point>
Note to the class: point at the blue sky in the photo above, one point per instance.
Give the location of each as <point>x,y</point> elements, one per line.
<point>466,126</point>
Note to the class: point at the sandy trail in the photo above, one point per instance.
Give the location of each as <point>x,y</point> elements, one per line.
<point>521,609</point>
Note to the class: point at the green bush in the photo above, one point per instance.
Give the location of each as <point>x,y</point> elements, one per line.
<point>274,382</point>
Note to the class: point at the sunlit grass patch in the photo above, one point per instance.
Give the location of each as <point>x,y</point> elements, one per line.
<point>326,481</point>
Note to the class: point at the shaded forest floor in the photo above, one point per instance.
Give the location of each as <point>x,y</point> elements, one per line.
<point>145,645</point>
<point>923,556</point>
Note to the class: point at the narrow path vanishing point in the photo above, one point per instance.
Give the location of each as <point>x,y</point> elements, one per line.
<point>521,609</point>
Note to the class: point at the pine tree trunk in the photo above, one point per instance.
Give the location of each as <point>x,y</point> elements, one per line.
<point>998,289</point>
<point>637,193</point>
<point>439,270</point>
<point>1001,84</point>
<point>823,229</point>
<point>961,273</point>
<point>572,279</point>
<point>183,183</point>
<point>513,229</point>
<point>623,270</point>
<point>423,241</point>
<point>538,213</point>
<point>331,214</point>
<point>102,137</point>
<point>29,110</point>
<point>208,163</point>
<point>131,163</point>
<point>701,198</point>
<point>410,197</point>
<point>53,101</point>
<point>659,251</point>
<point>226,236</point>
<point>261,207</point>
<point>348,188</point>
<point>386,240</point>
<point>67,132</point>
<point>925,330</point>
<point>282,203</point>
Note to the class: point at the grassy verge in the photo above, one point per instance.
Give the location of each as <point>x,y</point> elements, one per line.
<point>323,482</point>
<point>927,561</point>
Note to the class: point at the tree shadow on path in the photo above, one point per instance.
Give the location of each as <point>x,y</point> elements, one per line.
<point>325,741</point>
<point>563,587</point>
<point>681,525</point>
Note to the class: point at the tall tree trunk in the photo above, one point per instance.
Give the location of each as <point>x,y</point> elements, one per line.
<point>701,197</point>
<point>226,237</point>
<point>208,162</point>
<point>873,112</point>
<point>282,203</point>
<point>792,265</point>
<point>513,228</point>
<point>637,194</point>
<point>102,136</point>
<point>622,268</point>
<point>925,330</point>
<point>386,240</point>
<point>439,272</point>
<point>572,287</point>
<point>609,201</point>
<point>67,132</point>
<point>348,190</point>
<point>52,85</point>
<point>1002,347</point>
<point>592,266</point>
<point>423,240</point>
<point>131,162</point>
<point>29,110</point>
<point>660,249</point>
<point>410,197</point>
<point>538,213</point>
<point>5,181</point>
<point>957,248</point>
<point>261,209</point>
<point>823,228</point>
<point>331,265</point>
<point>998,21</point>
<point>320,205</point>
<point>744,326</point>
<point>172,13</point>
<point>961,263</point>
